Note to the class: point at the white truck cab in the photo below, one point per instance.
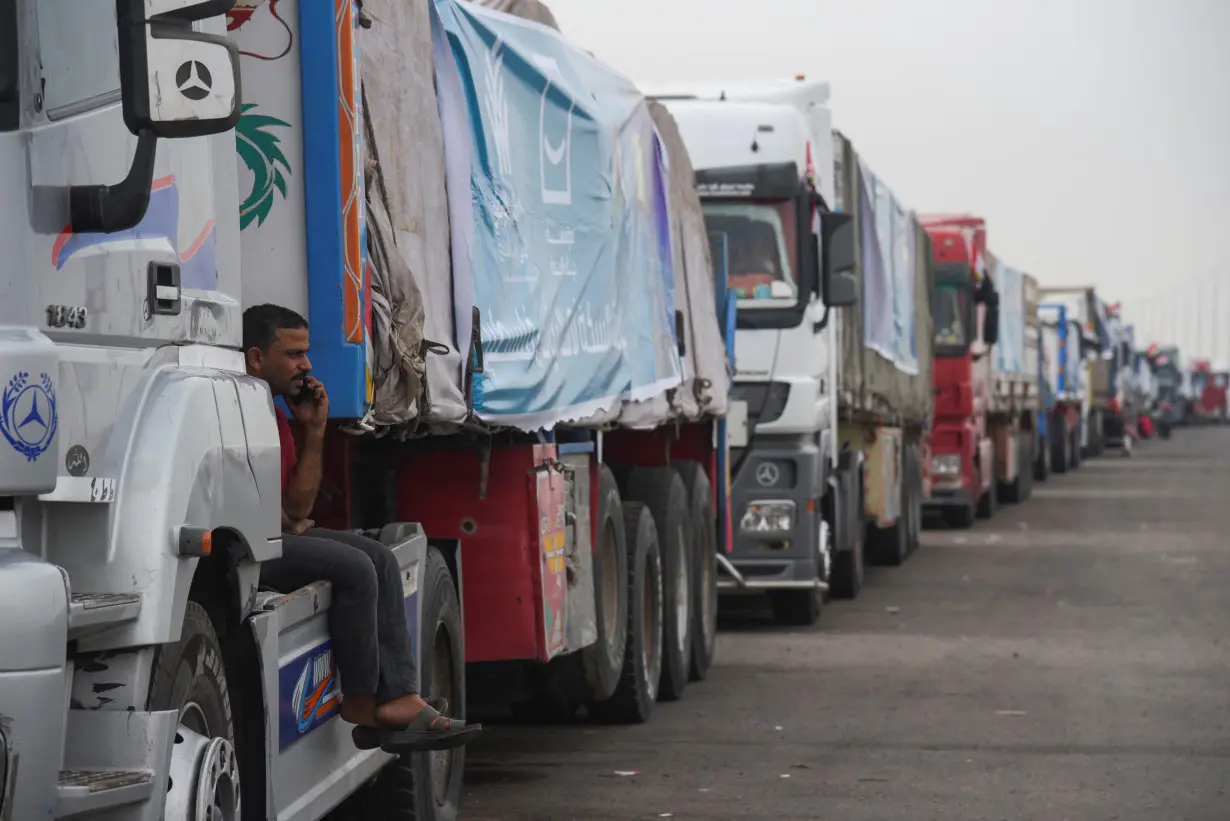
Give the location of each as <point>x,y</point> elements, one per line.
<point>764,170</point>
<point>143,673</point>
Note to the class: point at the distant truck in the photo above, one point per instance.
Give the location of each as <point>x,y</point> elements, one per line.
<point>1172,400</point>
<point>1208,392</point>
<point>965,309</point>
<point>1015,397</point>
<point>831,454</point>
<point>1068,381</point>
<point>767,203</point>
<point>1085,344</point>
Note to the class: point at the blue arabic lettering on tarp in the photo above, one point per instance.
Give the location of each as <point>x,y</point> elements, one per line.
<point>572,257</point>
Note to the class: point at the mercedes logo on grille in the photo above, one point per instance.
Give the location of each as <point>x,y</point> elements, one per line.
<point>767,474</point>
<point>194,80</point>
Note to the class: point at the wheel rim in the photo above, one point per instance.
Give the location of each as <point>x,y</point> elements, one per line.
<point>610,582</point>
<point>682,584</point>
<point>442,685</point>
<point>203,783</point>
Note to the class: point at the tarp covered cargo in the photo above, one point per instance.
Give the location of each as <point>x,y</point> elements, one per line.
<point>504,170</point>
<point>1015,355</point>
<point>887,340</point>
<point>706,376</point>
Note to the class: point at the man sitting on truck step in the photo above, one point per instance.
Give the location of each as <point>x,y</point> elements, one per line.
<point>367,618</point>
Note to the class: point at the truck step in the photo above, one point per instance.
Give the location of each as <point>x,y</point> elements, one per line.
<point>89,612</point>
<point>81,791</point>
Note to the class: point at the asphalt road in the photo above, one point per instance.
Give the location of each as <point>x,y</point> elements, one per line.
<point>1066,661</point>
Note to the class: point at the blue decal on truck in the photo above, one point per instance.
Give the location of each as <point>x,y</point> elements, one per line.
<point>28,417</point>
<point>308,694</point>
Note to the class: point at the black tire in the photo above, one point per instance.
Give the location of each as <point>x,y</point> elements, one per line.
<point>405,790</point>
<point>705,546</point>
<point>961,518</point>
<point>1042,461</point>
<point>914,477</point>
<point>1060,440</point>
<point>1014,492</point>
<point>603,660</point>
<point>988,502</point>
<point>1074,449</point>
<point>889,546</point>
<point>849,561</point>
<point>1025,466</point>
<point>662,491</point>
<point>190,676</point>
<point>634,698</point>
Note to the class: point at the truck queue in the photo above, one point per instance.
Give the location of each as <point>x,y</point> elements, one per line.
<point>595,355</point>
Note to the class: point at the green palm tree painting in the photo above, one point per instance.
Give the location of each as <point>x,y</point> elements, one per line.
<point>259,149</point>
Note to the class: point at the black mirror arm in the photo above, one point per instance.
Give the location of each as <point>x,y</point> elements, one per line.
<point>108,208</point>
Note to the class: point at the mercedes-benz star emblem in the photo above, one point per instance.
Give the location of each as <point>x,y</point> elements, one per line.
<point>194,80</point>
<point>767,474</point>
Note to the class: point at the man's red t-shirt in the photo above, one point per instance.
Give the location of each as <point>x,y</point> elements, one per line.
<point>290,456</point>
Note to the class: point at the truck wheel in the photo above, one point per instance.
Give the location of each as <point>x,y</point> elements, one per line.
<point>988,502</point>
<point>704,544</point>
<point>603,660</point>
<point>1025,473</point>
<point>1074,450</point>
<point>637,691</point>
<point>189,676</point>
<point>1042,463</point>
<point>1060,441</point>
<point>889,546</point>
<point>1014,492</point>
<point>846,579</point>
<point>961,518</point>
<point>427,786</point>
<point>661,490</point>
<point>914,477</point>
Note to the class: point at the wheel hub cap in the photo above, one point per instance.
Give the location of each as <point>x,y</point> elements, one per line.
<point>204,779</point>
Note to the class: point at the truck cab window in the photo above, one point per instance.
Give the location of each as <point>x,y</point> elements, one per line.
<point>8,65</point>
<point>79,54</point>
<point>950,309</point>
<point>762,250</point>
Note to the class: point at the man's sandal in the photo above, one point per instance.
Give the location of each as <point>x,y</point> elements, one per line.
<point>429,730</point>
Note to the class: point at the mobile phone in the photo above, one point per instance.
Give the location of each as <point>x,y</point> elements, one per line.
<point>304,395</point>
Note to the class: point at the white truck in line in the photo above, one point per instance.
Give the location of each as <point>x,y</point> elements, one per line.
<point>820,465</point>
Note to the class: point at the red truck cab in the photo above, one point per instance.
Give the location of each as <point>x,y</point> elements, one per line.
<point>964,311</point>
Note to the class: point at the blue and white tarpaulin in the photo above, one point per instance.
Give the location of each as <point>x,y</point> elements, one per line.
<point>888,255</point>
<point>1010,348</point>
<point>571,251</point>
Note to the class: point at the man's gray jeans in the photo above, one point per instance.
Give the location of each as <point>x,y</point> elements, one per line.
<point>367,618</point>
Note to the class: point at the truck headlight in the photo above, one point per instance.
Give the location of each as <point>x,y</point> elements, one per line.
<point>768,517</point>
<point>946,464</point>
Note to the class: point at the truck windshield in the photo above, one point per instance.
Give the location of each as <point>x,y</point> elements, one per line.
<point>761,248</point>
<point>950,311</point>
<point>8,65</point>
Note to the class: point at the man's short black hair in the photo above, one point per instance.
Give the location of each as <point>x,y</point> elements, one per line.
<point>261,324</point>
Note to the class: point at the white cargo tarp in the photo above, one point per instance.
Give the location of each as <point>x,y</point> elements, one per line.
<point>1010,347</point>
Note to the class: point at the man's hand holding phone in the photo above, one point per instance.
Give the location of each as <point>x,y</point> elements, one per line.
<point>312,406</point>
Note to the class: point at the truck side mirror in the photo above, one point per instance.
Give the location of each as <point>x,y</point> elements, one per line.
<point>176,82</point>
<point>837,266</point>
<point>990,320</point>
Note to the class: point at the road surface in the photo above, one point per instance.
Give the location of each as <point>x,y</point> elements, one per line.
<point>1066,660</point>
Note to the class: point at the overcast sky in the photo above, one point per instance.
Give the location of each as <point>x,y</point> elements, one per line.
<point>1094,135</point>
